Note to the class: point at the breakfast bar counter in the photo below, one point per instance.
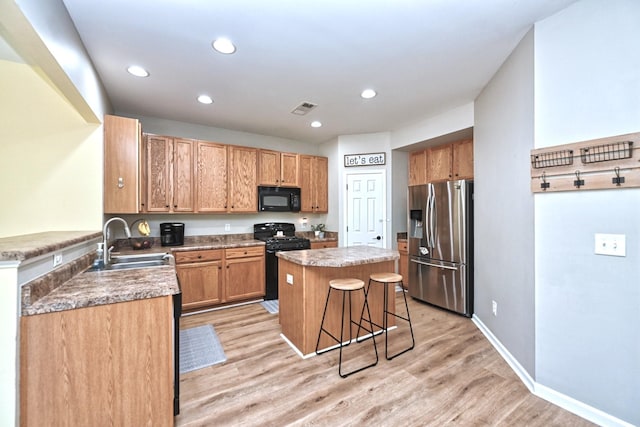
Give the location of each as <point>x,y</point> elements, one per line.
<point>303,283</point>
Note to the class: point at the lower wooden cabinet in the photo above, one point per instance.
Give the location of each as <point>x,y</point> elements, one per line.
<point>96,366</point>
<point>217,276</point>
<point>322,245</point>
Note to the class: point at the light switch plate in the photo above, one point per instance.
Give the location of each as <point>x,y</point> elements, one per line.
<point>290,279</point>
<point>610,244</point>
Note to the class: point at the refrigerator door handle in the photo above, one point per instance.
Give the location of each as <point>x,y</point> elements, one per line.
<point>446,267</point>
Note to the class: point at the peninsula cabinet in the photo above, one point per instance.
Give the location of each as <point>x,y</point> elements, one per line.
<point>168,175</point>
<point>277,169</point>
<point>313,178</point>
<point>105,365</point>
<point>122,138</point>
<point>200,276</point>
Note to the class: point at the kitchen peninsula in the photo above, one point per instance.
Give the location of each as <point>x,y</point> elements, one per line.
<point>303,283</point>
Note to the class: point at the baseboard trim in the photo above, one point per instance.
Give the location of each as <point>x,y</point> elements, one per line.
<point>568,403</point>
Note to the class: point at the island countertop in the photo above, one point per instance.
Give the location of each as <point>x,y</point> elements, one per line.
<point>339,257</point>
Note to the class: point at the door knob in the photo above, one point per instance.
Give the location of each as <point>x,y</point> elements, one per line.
<point>378,238</point>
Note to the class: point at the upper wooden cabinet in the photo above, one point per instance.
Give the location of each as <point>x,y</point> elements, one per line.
<point>442,163</point>
<point>418,167</point>
<point>313,178</point>
<point>277,169</point>
<point>122,137</point>
<point>439,163</point>
<point>168,172</point>
<point>242,187</point>
<point>463,159</point>
<point>211,177</point>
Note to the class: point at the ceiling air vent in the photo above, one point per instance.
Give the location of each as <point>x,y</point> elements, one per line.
<point>304,108</point>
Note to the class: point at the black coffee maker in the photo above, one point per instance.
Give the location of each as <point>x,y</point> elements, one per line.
<point>172,233</point>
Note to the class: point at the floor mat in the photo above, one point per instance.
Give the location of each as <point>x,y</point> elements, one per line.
<point>271,306</point>
<point>199,348</point>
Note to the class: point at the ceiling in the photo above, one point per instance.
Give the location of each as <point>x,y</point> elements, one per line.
<point>422,58</point>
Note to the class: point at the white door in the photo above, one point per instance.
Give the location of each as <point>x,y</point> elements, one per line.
<point>365,209</point>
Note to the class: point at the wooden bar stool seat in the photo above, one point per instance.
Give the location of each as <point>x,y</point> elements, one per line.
<point>388,279</point>
<point>346,286</point>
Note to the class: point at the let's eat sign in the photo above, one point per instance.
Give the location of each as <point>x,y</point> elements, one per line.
<point>369,159</point>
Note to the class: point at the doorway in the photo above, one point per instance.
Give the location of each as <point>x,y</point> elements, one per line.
<point>365,209</point>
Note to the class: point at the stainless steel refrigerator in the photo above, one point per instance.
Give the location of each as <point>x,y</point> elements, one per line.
<point>440,234</point>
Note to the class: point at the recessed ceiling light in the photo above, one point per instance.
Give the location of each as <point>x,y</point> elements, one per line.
<point>138,71</point>
<point>205,99</point>
<point>316,124</point>
<point>223,45</point>
<point>368,93</point>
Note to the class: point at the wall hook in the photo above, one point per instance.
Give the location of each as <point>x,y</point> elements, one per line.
<point>578,182</point>
<point>544,184</point>
<point>618,179</point>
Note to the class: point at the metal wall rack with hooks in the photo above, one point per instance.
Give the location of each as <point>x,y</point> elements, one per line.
<point>606,163</point>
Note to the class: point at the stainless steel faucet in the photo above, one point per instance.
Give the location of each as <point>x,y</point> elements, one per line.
<point>105,229</point>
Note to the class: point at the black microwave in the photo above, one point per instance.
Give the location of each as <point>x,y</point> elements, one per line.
<point>278,199</point>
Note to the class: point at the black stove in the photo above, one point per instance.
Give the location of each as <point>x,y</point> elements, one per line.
<point>278,236</point>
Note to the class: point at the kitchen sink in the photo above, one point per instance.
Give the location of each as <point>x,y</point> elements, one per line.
<point>128,262</point>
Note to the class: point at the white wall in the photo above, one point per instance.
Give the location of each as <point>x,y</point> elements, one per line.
<point>504,232</point>
<point>587,332</point>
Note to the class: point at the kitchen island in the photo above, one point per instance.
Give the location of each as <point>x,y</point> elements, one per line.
<point>303,283</point>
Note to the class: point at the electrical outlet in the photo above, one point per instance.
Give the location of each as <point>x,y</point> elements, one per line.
<point>227,227</point>
<point>494,308</point>
<point>610,244</point>
<point>57,259</point>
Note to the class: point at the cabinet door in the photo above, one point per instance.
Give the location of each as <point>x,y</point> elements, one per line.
<point>243,190</point>
<point>323,245</point>
<point>418,167</point>
<point>306,181</point>
<point>463,159</point>
<point>201,283</point>
<point>439,163</point>
<point>211,177</point>
<point>244,278</point>
<point>289,169</point>
<point>182,184</point>
<point>157,168</point>
<point>121,152</point>
<point>268,167</point>
<point>321,183</point>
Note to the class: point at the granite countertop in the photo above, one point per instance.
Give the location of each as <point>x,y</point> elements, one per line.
<point>21,248</point>
<point>339,257</point>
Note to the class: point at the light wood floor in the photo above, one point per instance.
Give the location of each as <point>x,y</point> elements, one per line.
<point>452,377</point>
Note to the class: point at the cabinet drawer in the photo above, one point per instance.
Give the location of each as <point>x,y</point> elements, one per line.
<point>245,252</point>
<point>402,246</point>
<point>197,256</point>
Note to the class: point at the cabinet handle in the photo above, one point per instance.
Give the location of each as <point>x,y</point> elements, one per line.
<point>175,206</point>
<point>166,206</point>
<point>245,252</point>
<point>227,266</point>
<point>199,256</point>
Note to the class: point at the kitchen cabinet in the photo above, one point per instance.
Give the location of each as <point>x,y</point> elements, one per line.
<point>200,276</point>
<point>403,262</point>
<point>463,159</point>
<point>245,273</point>
<point>277,169</point>
<point>323,245</point>
<point>104,365</point>
<point>168,170</point>
<point>216,276</point>
<point>418,167</point>
<point>122,138</point>
<point>439,163</point>
<point>211,177</point>
<point>313,178</point>
<point>242,190</point>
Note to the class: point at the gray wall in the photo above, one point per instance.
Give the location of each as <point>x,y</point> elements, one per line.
<point>504,232</point>
<point>587,331</point>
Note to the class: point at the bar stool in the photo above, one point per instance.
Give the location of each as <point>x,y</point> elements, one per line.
<point>346,286</point>
<point>389,279</point>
